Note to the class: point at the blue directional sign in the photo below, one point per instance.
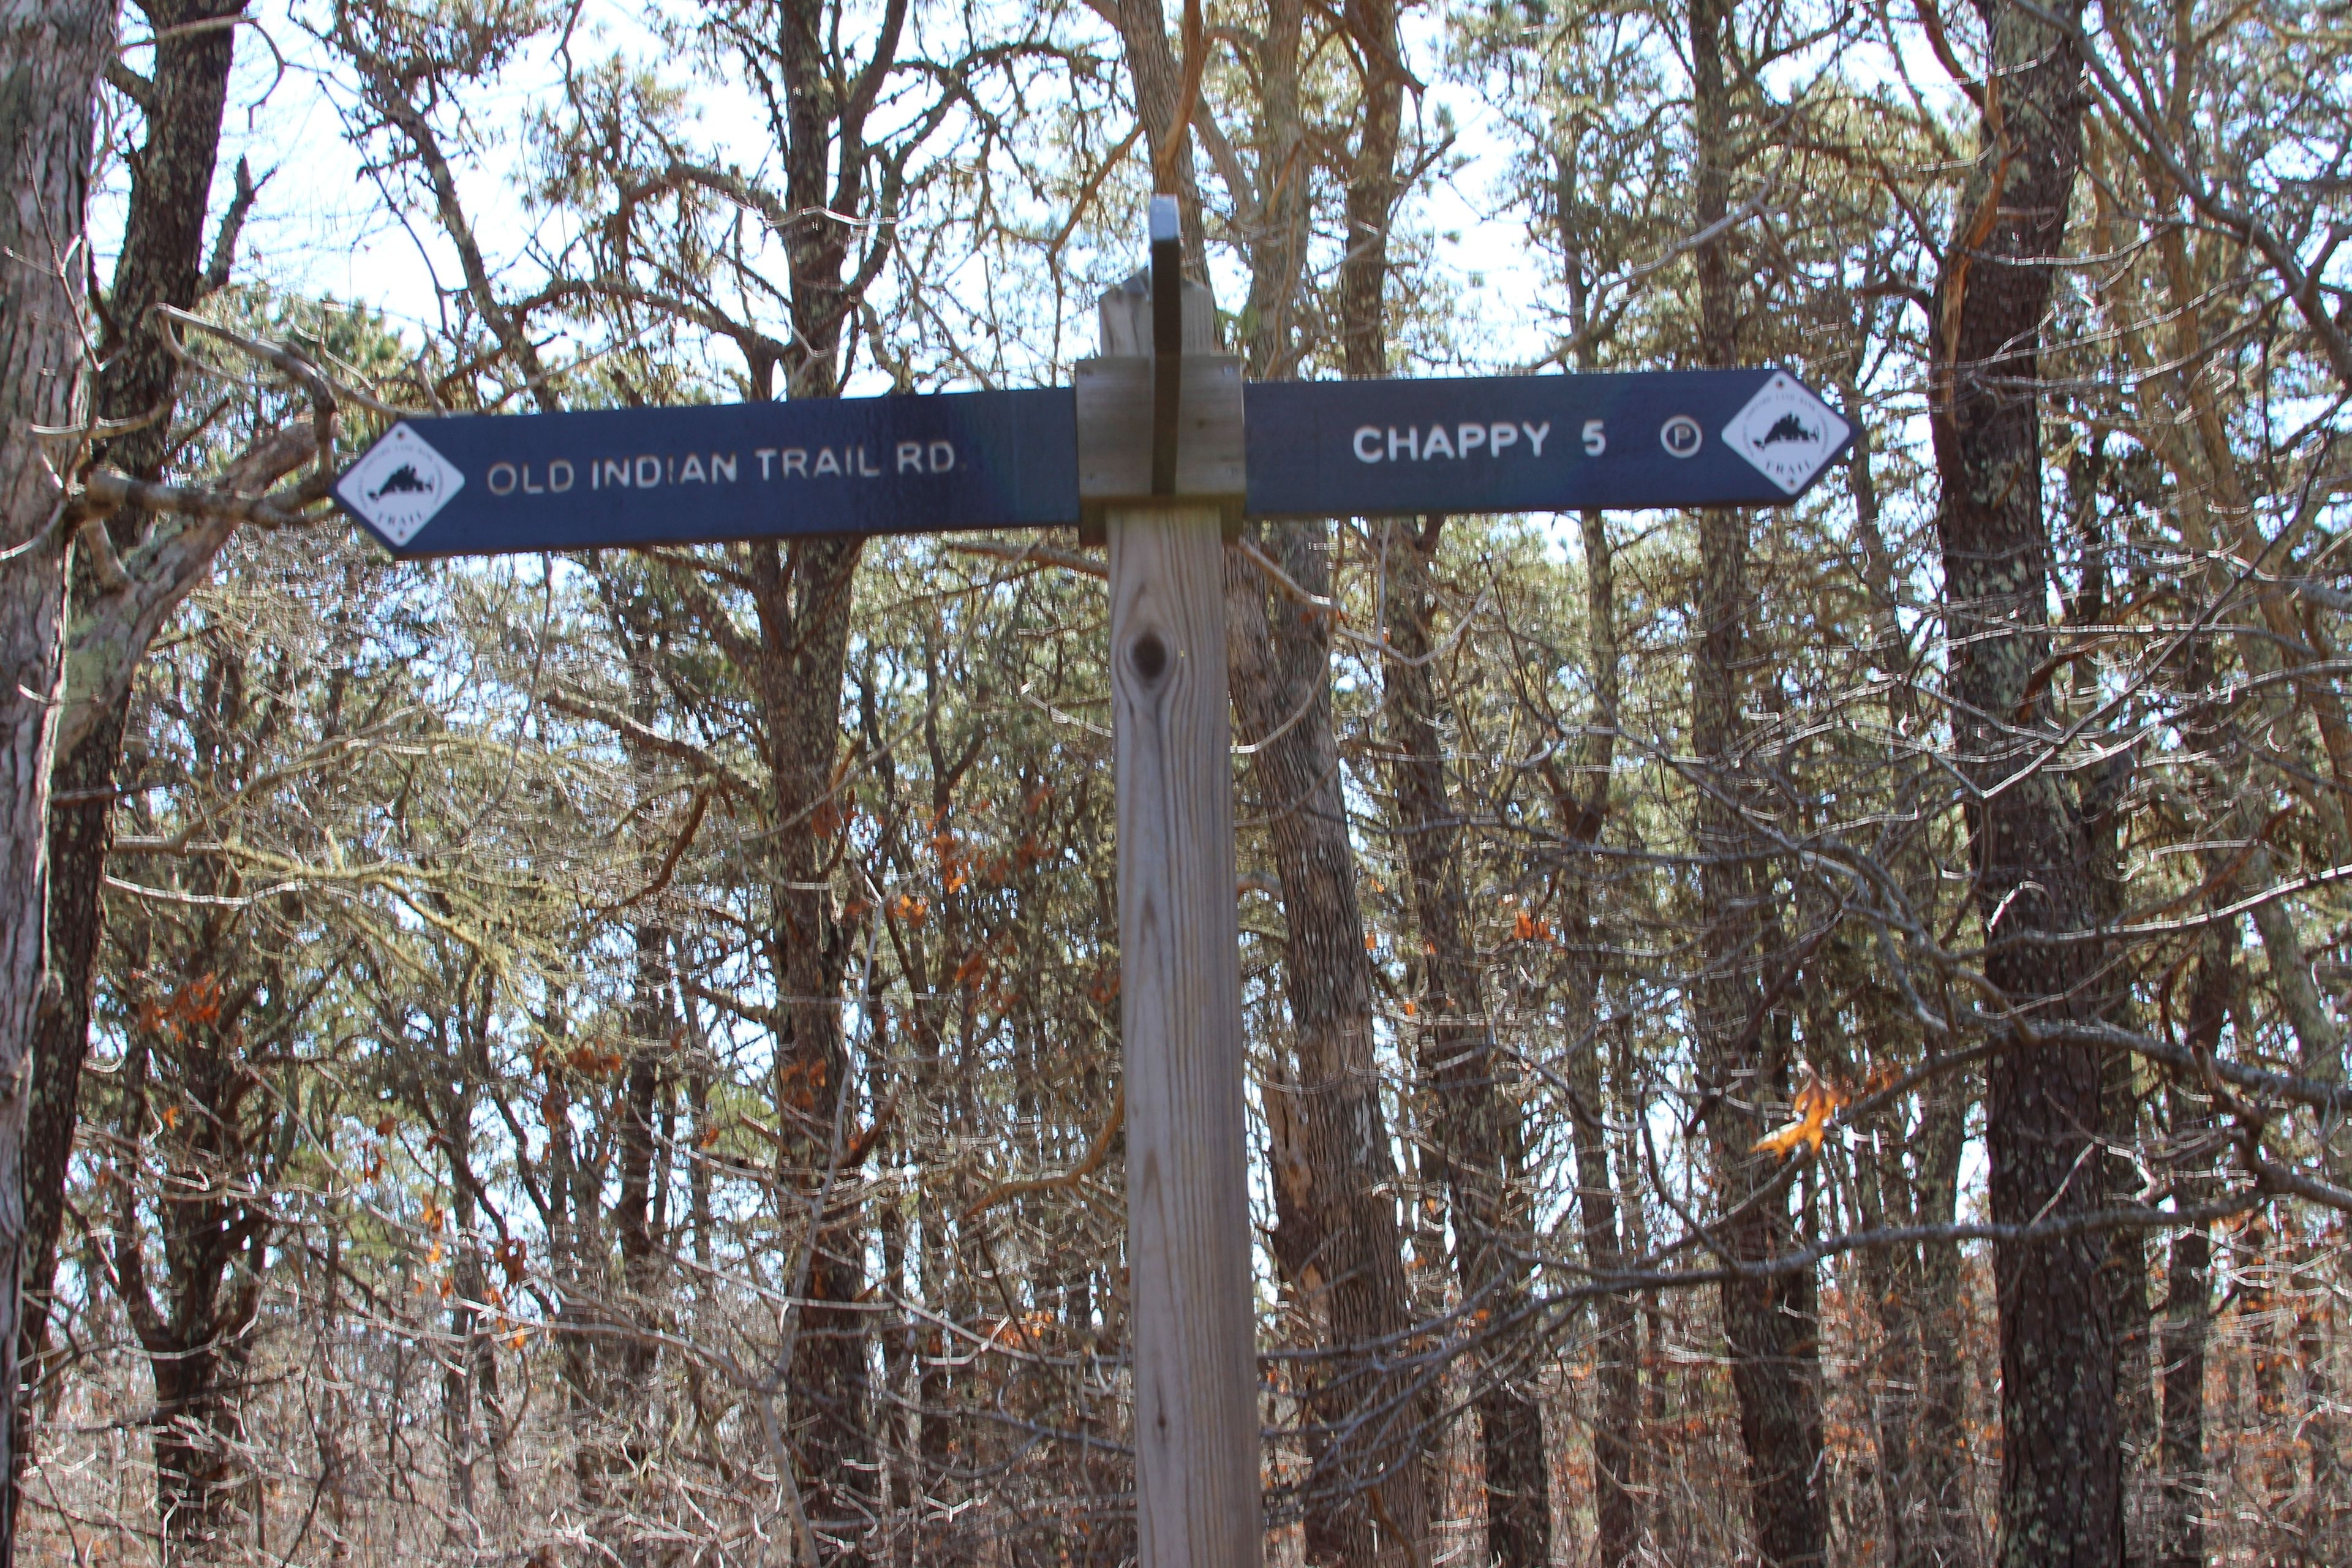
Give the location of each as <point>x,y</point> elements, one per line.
<point>490,484</point>
<point>1537,443</point>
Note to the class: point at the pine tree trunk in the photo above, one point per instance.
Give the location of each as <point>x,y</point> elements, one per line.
<point>50,56</point>
<point>2180,1534</point>
<point>2030,854</point>
<point>1617,1511</point>
<point>805,619</point>
<point>1770,1324</point>
<point>161,262</point>
<point>1367,1497</point>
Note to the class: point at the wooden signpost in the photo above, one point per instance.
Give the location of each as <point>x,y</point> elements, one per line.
<point>1160,448</point>
<point>1188,1225</point>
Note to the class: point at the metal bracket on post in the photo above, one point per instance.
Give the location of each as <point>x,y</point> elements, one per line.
<point>1160,410</point>
<point>1167,342</point>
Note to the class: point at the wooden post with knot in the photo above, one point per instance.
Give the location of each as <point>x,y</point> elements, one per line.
<point>1161,472</point>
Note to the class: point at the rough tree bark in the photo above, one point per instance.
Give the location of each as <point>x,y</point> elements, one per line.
<point>51,55</point>
<point>2029,850</point>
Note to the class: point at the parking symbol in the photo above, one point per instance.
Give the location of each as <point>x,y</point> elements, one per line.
<point>1681,436</point>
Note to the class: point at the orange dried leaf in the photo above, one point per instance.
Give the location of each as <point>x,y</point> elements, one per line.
<point>1816,1102</point>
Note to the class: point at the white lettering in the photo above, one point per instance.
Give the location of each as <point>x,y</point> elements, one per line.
<point>1596,441</point>
<point>722,463</point>
<point>825,461</point>
<point>1367,433</point>
<point>1498,437</point>
<point>910,456</point>
<point>502,490</point>
<point>865,469</point>
<point>559,476</point>
<point>1469,436</point>
<point>764,454</point>
<point>1535,435</point>
<point>649,472</point>
<point>693,471</point>
<point>796,461</point>
<point>1435,439</point>
<point>612,471</point>
<point>1410,444</point>
<point>942,457</point>
<point>527,487</point>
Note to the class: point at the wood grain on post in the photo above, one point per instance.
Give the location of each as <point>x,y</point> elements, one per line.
<point>1196,1435</point>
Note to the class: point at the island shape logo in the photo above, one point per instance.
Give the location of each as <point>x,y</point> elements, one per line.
<point>400,484</point>
<point>1787,433</point>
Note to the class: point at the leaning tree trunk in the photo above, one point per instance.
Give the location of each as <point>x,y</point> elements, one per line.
<point>2030,853</point>
<point>50,56</point>
<point>1368,1472</point>
<point>1480,1141</point>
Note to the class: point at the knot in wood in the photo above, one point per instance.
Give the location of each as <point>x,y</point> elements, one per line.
<point>1150,656</point>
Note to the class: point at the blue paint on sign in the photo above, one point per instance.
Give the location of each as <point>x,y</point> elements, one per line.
<point>1537,443</point>
<point>487,484</point>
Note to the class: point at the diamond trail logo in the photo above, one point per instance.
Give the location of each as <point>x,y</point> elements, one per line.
<point>400,484</point>
<point>1787,433</point>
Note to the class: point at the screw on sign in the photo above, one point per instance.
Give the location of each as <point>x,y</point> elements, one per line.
<point>1161,445</point>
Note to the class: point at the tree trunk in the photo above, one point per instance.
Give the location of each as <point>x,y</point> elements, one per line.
<point>1480,1141</point>
<point>1617,1513</point>
<point>2180,1531</point>
<point>1370,1418</point>
<point>1770,1324</point>
<point>1935,1525</point>
<point>161,263</point>
<point>805,635</point>
<point>50,56</point>
<point>2030,854</point>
